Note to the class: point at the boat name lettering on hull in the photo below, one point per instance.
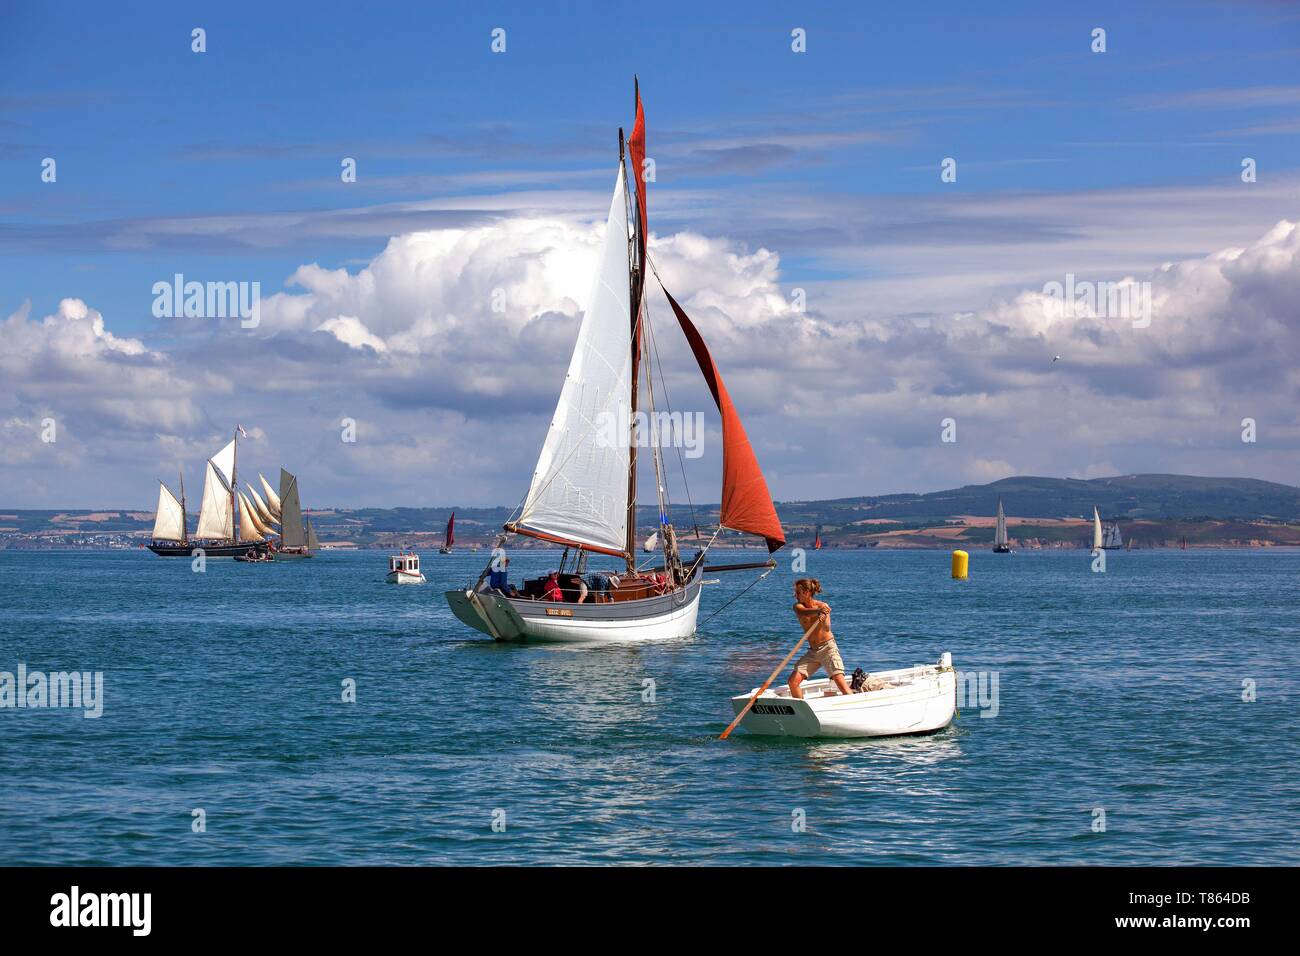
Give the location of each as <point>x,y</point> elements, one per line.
<point>784,710</point>
<point>558,612</point>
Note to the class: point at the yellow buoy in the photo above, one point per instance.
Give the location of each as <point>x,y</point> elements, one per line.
<point>960,564</point>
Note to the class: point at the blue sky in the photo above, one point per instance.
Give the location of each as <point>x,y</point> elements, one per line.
<point>225,165</point>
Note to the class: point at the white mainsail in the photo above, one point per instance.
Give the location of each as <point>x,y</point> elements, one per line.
<point>1096,530</point>
<point>579,490</point>
<point>216,517</point>
<point>225,462</point>
<point>169,525</point>
<point>264,517</point>
<point>249,528</point>
<point>272,499</point>
<point>1000,535</point>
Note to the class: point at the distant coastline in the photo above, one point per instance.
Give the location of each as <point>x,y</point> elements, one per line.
<point>1153,512</point>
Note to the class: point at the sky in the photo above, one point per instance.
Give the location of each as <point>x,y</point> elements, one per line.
<point>862,305</point>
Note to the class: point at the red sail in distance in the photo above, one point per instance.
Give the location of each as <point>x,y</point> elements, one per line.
<point>746,503</point>
<point>451,530</point>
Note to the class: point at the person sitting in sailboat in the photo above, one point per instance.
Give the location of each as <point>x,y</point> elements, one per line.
<point>498,576</point>
<point>815,618</point>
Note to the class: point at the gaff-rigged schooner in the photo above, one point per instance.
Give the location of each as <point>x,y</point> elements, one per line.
<point>583,491</point>
<point>225,529</point>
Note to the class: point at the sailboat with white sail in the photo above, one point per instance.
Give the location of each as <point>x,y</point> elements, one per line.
<point>1107,539</point>
<point>583,493</point>
<point>1001,544</point>
<point>225,528</point>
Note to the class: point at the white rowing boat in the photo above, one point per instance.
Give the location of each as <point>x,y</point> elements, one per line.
<point>911,700</point>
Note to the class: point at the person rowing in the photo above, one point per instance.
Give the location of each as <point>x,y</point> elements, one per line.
<point>815,617</point>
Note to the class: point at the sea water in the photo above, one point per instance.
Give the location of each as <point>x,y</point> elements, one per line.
<point>307,712</point>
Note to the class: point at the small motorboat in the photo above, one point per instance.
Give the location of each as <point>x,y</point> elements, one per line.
<point>404,568</point>
<point>255,556</point>
<point>911,700</point>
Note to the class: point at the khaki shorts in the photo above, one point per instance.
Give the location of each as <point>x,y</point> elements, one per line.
<point>823,655</point>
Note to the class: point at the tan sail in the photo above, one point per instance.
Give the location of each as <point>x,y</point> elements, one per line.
<point>292,534</point>
<point>264,516</point>
<point>169,524</point>
<point>272,499</point>
<point>216,517</point>
<point>1096,530</point>
<point>249,529</point>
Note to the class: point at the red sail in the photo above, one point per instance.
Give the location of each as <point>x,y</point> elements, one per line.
<point>746,503</point>
<point>451,530</point>
<point>637,147</point>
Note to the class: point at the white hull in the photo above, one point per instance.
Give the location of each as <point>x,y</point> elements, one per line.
<point>523,620</point>
<point>916,700</point>
<point>404,577</point>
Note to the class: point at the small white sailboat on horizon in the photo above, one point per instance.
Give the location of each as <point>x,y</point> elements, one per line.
<point>1001,544</point>
<point>1107,539</point>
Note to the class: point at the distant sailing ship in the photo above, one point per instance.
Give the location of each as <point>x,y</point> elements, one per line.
<point>583,491</point>
<point>1108,540</point>
<point>225,509</point>
<point>1000,542</point>
<point>450,538</point>
<point>228,524</point>
<point>817,540</point>
<point>297,539</point>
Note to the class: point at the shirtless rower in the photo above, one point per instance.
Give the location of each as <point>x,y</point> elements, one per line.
<point>822,650</point>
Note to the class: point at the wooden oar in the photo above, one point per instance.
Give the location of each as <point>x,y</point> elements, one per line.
<point>768,683</point>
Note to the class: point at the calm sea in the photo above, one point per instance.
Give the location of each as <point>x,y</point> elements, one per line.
<point>1118,694</point>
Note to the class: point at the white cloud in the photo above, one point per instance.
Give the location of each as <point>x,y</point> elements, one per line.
<point>452,396</point>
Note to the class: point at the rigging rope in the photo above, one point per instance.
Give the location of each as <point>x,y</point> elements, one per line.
<point>734,599</point>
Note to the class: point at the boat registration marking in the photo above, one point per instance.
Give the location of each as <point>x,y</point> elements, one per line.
<point>559,612</point>
<point>784,710</point>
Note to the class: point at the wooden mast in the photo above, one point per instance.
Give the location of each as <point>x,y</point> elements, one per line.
<point>185,537</point>
<point>634,273</point>
<point>234,464</point>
